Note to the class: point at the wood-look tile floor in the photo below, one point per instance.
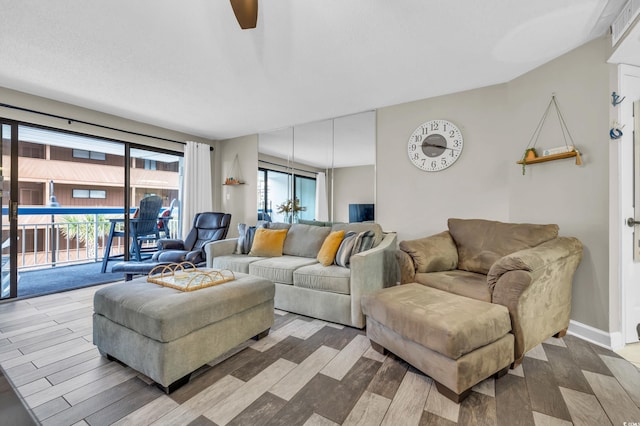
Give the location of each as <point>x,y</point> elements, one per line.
<point>306,372</point>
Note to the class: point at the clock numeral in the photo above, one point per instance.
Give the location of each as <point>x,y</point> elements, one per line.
<point>416,156</point>
<point>434,164</point>
<point>418,138</point>
<point>444,161</point>
<point>452,133</point>
<point>456,143</point>
<point>452,153</point>
<point>412,147</point>
<point>425,131</point>
<point>434,126</point>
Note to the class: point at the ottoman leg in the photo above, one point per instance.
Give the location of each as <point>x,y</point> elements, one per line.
<point>175,385</point>
<point>448,393</point>
<point>262,335</point>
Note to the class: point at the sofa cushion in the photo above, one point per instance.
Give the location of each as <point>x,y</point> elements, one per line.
<point>359,227</point>
<point>277,225</point>
<point>333,278</point>
<point>305,240</point>
<point>268,242</point>
<point>279,269</point>
<point>482,242</point>
<point>327,253</point>
<point>432,254</point>
<point>234,262</point>
<point>463,283</point>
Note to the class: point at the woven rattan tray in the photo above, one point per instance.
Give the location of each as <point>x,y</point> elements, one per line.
<point>186,277</point>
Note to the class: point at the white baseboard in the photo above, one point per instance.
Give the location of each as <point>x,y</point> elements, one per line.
<point>595,335</point>
<point>616,340</point>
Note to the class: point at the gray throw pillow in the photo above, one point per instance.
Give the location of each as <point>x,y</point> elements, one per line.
<point>346,247</point>
<point>245,238</point>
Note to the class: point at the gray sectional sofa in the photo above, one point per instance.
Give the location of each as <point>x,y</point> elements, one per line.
<point>305,286</point>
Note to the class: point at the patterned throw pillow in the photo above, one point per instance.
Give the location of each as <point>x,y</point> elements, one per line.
<point>364,242</point>
<point>344,251</point>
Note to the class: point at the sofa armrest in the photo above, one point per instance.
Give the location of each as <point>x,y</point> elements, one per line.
<point>406,267</point>
<point>373,270</point>
<point>219,248</point>
<point>535,285</point>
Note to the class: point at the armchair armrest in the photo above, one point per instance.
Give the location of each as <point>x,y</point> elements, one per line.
<point>170,244</point>
<point>535,285</point>
<point>372,270</point>
<point>406,267</point>
<point>219,248</point>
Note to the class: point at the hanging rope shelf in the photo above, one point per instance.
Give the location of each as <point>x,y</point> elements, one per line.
<point>235,176</point>
<point>567,151</point>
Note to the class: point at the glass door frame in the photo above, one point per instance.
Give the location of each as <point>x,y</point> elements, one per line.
<point>12,204</point>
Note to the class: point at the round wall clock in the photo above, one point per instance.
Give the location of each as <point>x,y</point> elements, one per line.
<point>435,145</point>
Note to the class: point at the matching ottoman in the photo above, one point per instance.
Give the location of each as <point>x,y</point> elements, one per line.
<point>455,340</point>
<point>166,334</point>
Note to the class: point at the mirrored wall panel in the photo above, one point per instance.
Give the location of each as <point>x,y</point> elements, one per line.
<point>321,171</point>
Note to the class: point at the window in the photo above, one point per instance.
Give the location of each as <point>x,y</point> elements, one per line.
<point>90,193</point>
<point>150,164</point>
<point>91,155</point>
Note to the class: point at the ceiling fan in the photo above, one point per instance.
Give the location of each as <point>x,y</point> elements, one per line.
<point>246,12</point>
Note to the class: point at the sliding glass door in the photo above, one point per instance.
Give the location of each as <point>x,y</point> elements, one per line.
<point>61,194</point>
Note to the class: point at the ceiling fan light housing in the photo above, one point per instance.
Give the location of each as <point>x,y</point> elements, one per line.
<point>246,12</point>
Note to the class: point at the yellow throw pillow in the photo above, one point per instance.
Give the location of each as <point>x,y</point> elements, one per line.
<point>268,242</point>
<point>330,247</point>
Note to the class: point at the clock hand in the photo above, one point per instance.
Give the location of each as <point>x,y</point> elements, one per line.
<point>438,146</point>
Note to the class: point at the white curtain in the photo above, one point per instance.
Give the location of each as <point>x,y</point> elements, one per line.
<point>322,204</point>
<point>198,195</point>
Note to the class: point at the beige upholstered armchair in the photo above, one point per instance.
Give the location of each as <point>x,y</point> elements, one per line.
<point>527,268</point>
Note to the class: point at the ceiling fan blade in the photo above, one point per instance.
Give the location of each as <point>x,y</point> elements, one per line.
<point>246,12</point>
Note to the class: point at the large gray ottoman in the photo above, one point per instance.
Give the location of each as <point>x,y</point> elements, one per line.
<point>455,340</point>
<point>166,334</point>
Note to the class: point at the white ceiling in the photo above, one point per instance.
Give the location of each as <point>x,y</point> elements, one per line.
<point>188,66</point>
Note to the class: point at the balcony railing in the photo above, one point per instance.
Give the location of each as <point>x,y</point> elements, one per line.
<point>49,236</point>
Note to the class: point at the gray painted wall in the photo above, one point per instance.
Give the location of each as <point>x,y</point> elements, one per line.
<point>239,200</point>
<point>497,123</point>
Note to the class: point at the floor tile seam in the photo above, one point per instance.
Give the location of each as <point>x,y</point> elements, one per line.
<point>624,388</point>
<point>75,406</point>
<point>36,369</point>
<point>105,372</point>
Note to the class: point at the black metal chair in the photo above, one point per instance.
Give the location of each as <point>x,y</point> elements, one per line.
<point>207,227</point>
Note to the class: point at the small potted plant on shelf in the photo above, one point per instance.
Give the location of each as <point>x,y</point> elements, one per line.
<point>291,208</point>
<point>232,181</point>
<point>529,154</point>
